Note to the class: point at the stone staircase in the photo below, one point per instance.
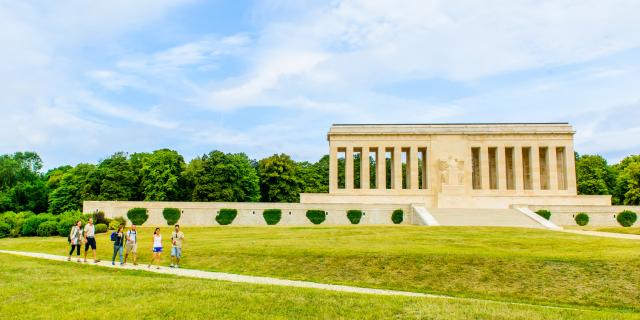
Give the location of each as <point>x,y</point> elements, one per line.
<point>481,217</point>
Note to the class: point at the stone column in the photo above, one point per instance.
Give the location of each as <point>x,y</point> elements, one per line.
<point>333,169</point>
<point>553,167</point>
<point>348,169</point>
<point>381,166</point>
<point>535,167</point>
<point>502,168</point>
<point>484,167</point>
<point>571,168</point>
<point>364,168</point>
<point>396,168</point>
<point>413,165</point>
<point>518,175</point>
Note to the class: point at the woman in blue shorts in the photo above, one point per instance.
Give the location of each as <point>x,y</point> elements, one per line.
<point>157,248</point>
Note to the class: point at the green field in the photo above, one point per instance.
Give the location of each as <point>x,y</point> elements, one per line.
<point>504,264</point>
<point>38,289</point>
<point>626,230</point>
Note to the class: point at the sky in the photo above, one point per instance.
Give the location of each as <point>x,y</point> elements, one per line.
<point>81,80</point>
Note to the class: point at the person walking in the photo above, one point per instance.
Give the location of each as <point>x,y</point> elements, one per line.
<point>176,246</point>
<point>75,239</point>
<point>90,240</point>
<point>131,246</point>
<point>118,239</point>
<point>157,248</point>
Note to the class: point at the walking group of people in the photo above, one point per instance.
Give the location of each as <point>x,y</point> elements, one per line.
<point>124,241</point>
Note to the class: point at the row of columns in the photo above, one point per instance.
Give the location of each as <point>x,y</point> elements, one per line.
<point>555,180</point>
<point>381,172</point>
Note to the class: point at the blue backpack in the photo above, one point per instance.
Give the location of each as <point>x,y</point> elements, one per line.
<point>114,236</point>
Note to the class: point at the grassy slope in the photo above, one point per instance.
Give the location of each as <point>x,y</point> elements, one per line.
<point>496,263</point>
<point>629,230</point>
<point>31,288</point>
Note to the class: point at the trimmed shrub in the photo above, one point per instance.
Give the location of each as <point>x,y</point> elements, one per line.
<point>354,216</point>
<point>5,229</point>
<point>101,228</point>
<point>316,216</point>
<point>544,213</point>
<point>226,216</point>
<point>65,225</point>
<point>272,216</point>
<point>172,215</point>
<point>582,219</point>
<point>397,216</point>
<point>137,216</point>
<point>10,218</point>
<point>627,218</point>
<point>47,228</point>
<point>31,224</point>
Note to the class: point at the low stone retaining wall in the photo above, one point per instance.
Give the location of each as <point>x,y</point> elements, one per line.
<point>250,213</point>
<point>598,215</point>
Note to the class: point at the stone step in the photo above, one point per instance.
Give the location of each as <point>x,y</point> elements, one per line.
<point>483,217</point>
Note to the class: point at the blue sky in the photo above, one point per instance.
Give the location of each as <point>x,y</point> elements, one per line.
<point>81,80</point>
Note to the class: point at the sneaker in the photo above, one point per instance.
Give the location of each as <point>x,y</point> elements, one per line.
<point>79,261</point>
<point>85,260</point>
<point>171,266</point>
<point>112,263</point>
<point>135,264</point>
<point>177,266</point>
<point>122,263</point>
<point>158,268</point>
<point>69,259</point>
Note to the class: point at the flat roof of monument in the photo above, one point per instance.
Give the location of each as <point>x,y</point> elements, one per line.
<point>453,128</point>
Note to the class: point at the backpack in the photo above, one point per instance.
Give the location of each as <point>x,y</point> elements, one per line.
<point>114,236</point>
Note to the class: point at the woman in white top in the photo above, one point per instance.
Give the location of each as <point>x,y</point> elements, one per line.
<point>75,239</point>
<point>157,248</point>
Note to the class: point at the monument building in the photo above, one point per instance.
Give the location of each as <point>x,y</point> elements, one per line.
<point>467,165</point>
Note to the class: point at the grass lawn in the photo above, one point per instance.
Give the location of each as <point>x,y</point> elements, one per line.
<point>507,264</point>
<point>40,289</point>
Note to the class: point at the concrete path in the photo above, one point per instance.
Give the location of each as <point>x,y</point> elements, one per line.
<point>604,234</point>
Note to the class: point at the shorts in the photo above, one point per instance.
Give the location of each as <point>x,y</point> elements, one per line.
<point>176,252</point>
<point>131,247</point>
<point>157,249</point>
<point>91,242</point>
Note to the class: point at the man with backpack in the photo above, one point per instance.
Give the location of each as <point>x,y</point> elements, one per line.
<point>131,245</point>
<point>117,238</point>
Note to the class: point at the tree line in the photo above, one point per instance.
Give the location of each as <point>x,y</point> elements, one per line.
<point>163,175</point>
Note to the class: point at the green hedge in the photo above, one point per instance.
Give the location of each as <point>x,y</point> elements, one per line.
<point>544,213</point>
<point>316,216</point>
<point>5,229</point>
<point>226,216</point>
<point>272,216</point>
<point>67,220</point>
<point>172,215</point>
<point>138,216</point>
<point>354,216</point>
<point>582,219</point>
<point>101,228</point>
<point>47,228</point>
<point>397,216</point>
<point>31,224</point>
<point>627,218</point>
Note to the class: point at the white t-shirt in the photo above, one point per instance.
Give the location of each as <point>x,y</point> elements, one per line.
<point>132,237</point>
<point>157,241</point>
<point>90,231</point>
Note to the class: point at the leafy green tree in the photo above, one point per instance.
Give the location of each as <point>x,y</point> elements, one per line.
<point>161,176</point>
<point>117,178</point>
<point>627,189</point>
<point>223,177</point>
<point>77,185</point>
<point>136,161</point>
<point>22,185</point>
<point>594,175</point>
<point>279,180</point>
<point>314,176</point>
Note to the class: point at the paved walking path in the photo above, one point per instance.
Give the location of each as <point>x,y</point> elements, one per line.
<point>604,234</point>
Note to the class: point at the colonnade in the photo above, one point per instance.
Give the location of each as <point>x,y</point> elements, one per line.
<point>524,167</point>
<point>415,158</point>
